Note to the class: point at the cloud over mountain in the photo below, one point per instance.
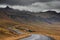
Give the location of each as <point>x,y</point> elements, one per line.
<point>32,5</point>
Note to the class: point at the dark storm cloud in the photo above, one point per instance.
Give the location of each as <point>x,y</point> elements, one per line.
<point>22,2</point>
<point>32,5</point>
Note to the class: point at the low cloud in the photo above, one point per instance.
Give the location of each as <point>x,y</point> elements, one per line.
<point>39,6</point>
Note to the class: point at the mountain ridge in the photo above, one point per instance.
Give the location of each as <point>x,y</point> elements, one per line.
<point>27,16</point>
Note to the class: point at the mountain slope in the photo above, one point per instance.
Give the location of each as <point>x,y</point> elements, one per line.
<point>26,16</point>
<point>46,23</point>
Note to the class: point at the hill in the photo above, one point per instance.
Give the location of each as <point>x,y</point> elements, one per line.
<point>46,23</point>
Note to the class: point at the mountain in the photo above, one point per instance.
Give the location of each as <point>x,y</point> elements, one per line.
<point>8,30</point>
<point>12,20</point>
<point>49,16</point>
<point>26,16</point>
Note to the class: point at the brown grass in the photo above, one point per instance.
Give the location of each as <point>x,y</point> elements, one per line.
<point>52,30</point>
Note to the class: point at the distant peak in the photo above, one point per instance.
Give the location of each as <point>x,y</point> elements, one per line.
<point>51,11</point>
<point>7,7</point>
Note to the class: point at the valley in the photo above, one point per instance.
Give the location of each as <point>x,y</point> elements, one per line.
<point>16,25</point>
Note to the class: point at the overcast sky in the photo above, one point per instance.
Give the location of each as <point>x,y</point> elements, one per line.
<point>32,5</point>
